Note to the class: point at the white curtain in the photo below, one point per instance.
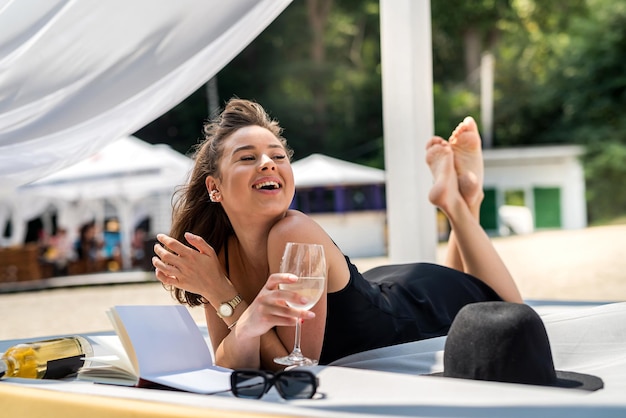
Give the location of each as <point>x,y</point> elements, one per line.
<point>77,75</point>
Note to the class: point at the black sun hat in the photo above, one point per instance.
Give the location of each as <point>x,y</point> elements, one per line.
<point>505,342</point>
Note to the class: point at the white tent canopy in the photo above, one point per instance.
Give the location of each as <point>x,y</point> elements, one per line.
<point>321,170</point>
<point>128,168</point>
<point>130,175</point>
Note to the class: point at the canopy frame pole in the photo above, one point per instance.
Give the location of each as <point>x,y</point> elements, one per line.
<point>408,117</point>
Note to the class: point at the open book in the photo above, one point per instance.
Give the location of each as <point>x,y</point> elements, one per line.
<point>155,345</point>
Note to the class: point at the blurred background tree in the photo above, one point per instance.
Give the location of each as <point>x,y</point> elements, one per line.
<point>560,79</point>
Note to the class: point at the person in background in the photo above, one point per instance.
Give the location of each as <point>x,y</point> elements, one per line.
<point>137,245</point>
<point>232,221</point>
<point>88,247</point>
<point>59,252</point>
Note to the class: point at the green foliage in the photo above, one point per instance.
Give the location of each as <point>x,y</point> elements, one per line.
<point>181,127</point>
<point>605,169</point>
<point>452,104</point>
<point>514,198</point>
<point>595,75</point>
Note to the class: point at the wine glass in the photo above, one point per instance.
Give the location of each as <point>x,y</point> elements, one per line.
<point>306,261</point>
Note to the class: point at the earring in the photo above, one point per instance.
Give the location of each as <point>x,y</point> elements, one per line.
<point>213,196</point>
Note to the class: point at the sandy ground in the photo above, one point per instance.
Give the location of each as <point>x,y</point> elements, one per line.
<point>587,264</point>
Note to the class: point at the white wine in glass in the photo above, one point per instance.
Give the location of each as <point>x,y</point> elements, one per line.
<point>307,261</point>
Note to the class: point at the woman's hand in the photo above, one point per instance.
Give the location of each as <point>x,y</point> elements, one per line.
<point>269,309</point>
<point>185,268</point>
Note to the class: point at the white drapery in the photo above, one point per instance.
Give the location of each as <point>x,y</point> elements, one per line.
<point>77,75</point>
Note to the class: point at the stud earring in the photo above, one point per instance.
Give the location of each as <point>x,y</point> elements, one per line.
<point>213,196</point>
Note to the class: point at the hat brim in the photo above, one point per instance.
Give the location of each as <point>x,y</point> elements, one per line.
<point>573,380</point>
<point>567,380</point>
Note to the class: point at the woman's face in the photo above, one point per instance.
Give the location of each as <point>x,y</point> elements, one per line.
<point>256,175</point>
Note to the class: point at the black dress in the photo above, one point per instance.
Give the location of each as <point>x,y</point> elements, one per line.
<point>395,304</point>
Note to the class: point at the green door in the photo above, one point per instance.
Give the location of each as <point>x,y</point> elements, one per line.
<point>547,207</point>
<point>489,211</point>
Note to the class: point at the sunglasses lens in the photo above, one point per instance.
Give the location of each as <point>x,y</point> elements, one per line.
<point>296,384</point>
<point>246,384</point>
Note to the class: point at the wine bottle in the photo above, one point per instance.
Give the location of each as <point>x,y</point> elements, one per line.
<point>47,359</point>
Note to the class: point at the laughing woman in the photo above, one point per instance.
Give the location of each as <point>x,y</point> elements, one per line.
<point>231,223</point>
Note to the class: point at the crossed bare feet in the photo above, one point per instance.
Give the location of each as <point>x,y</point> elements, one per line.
<point>468,161</point>
<point>457,165</point>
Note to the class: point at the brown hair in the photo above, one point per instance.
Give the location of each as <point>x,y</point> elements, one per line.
<point>193,211</point>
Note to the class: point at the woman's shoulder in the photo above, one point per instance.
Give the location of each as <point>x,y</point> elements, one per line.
<point>296,222</point>
<point>296,214</point>
<point>296,226</point>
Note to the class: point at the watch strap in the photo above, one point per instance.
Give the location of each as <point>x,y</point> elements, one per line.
<point>235,301</point>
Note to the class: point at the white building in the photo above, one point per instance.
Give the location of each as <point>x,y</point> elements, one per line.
<point>548,180</point>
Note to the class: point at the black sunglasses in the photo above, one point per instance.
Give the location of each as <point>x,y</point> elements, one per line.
<point>291,384</point>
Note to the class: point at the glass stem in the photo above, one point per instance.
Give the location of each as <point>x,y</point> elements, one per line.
<point>296,346</point>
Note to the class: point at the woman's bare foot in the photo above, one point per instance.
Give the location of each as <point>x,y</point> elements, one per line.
<point>440,159</point>
<point>468,162</point>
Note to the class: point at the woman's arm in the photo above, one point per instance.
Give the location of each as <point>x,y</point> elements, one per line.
<point>297,227</point>
<point>252,341</point>
<point>261,352</point>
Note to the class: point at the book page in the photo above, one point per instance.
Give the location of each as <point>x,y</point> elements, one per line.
<point>127,344</point>
<point>205,381</point>
<point>169,348</point>
<point>116,355</point>
<point>113,368</point>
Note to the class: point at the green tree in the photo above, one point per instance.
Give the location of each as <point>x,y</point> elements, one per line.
<point>533,42</point>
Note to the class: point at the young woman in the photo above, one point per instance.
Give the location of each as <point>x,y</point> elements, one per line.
<point>232,221</point>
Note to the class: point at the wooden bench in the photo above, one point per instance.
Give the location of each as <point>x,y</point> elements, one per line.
<point>20,263</point>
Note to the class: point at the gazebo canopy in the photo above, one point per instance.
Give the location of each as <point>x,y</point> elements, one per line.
<point>122,174</point>
<point>321,170</point>
<point>128,168</point>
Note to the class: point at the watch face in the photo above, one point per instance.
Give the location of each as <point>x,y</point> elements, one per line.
<point>226,309</point>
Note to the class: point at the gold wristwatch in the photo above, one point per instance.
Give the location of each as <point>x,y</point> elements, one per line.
<point>226,309</point>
